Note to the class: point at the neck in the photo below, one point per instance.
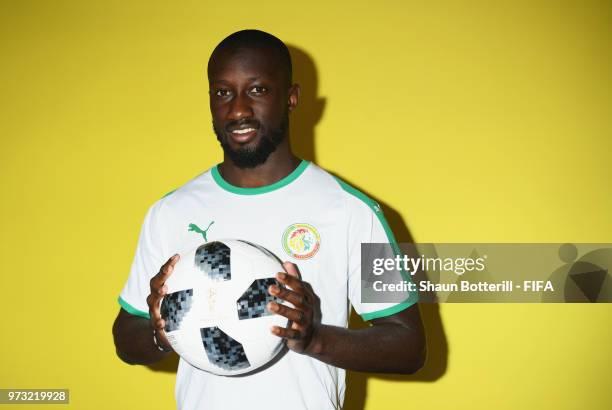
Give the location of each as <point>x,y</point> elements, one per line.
<point>278,165</point>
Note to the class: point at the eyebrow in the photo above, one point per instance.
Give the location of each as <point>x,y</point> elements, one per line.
<point>213,80</point>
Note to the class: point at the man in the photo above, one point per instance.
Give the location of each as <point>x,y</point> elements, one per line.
<point>260,193</point>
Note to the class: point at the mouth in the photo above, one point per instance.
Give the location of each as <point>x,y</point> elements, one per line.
<point>243,135</point>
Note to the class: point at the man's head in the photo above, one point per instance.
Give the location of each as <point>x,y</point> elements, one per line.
<point>251,94</point>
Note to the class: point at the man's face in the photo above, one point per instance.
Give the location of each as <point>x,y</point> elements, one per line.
<point>249,103</point>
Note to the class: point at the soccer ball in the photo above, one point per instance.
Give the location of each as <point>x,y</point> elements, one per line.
<point>215,310</point>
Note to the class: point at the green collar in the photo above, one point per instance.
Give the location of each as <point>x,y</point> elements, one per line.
<point>261,189</point>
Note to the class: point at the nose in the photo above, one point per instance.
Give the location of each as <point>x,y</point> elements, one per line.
<point>240,108</point>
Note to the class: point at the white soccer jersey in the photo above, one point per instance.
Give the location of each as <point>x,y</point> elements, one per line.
<point>309,218</point>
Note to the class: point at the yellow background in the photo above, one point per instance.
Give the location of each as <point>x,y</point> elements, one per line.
<point>473,121</point>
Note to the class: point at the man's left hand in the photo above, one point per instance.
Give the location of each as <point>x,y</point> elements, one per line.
<point>305,315</point>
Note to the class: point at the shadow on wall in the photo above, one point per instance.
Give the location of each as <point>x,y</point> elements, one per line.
<point>310,107</point>
<point>303,139</point>
<point>302,128</point>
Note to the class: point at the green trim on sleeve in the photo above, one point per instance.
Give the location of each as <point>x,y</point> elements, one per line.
<point>132,310</point>
<point>413,297</point>
<point>262,189</point>
<point>169,193</point>
<point>388,311</point>
<point>373,205</point>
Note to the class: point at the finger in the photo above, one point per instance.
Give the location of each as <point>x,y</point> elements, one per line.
<point>291,281</point>
<point>154,310</point>
<point>151,299</point>
<point>156,307</point>
<point>154,302</point>
<point>168,267</point>
<point>296,299</point>
<point>164,272</point>
<point>295,315</point>
<point>292,269</point>
<point>286,333</point>
<point>156,296</point>
<point>161,337</point>
<point>162,291</point>
<point>159,324</point>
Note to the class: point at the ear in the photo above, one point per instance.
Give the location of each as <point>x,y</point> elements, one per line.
<point>294,96</point>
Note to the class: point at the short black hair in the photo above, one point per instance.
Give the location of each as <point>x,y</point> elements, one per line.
<point>253,39</point>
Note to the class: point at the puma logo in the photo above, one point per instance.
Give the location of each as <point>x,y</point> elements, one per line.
<point>196,228</point>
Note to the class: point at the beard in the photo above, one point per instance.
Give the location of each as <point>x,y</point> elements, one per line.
<point>250,157</point>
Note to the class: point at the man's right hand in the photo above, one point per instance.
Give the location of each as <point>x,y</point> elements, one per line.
<point>158,291</point>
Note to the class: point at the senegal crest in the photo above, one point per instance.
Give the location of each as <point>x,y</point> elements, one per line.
<point>301,241</point>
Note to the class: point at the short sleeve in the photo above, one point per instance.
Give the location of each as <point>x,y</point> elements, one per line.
<point>147,261</point>
<point>367,224</point>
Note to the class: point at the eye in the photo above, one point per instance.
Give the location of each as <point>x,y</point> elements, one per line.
<point>222,92</point>
<point>258,90</point>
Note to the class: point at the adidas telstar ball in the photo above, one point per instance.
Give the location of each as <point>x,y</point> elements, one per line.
<point>216,307</point>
